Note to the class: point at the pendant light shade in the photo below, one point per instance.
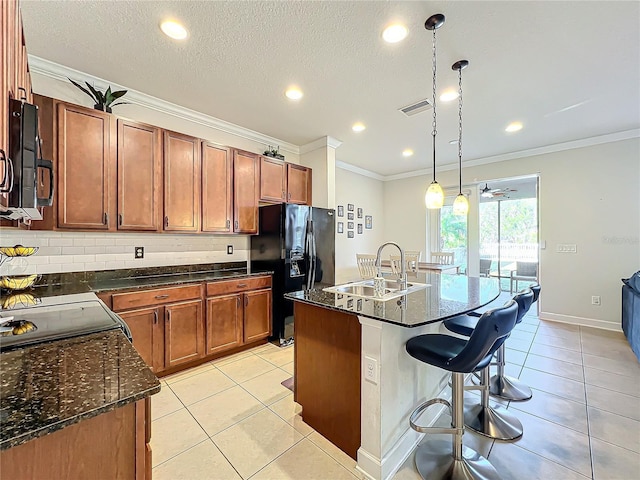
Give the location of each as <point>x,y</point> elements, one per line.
<point>434,198</point>
<point>461,204</point>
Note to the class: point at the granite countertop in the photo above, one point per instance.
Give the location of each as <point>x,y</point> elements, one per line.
<point>46,387</point>
<point>445,297</point>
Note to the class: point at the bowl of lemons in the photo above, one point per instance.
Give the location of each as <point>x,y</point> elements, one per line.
<point>18,282</point>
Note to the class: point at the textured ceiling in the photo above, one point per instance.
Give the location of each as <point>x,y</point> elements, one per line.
<point>567,70</point>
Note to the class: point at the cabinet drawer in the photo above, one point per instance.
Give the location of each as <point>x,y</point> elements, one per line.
<point>126,301</point>
<point>238,285</point>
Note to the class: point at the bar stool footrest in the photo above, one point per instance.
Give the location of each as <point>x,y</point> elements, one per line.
<point>435,462</point>
<point>421,408</point>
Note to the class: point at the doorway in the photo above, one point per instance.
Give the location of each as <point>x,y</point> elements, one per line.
<point>508,217</point>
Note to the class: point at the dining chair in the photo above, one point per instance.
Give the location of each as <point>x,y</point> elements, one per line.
<point>410,259</point>
<point>525,271</point>
<point>485,267</point>
<point>442,258</point>
<point>366,265</point>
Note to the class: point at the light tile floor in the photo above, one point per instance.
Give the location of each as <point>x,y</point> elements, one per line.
<point>232,419</point>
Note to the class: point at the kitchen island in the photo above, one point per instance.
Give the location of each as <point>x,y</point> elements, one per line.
<point>355,381</point>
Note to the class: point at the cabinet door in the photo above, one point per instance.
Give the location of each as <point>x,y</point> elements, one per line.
<point>139,176</point>
<point>272,180</point>
<point>6,83</point>
<point>298,184</point>
<point>183,332</point>
<point>144,325</point>
<point>245,192</point>
<point>257,315</point>
<point>85,157</point>
<point>181,183</point>
<point>224,323</point>
<point>216,188</point>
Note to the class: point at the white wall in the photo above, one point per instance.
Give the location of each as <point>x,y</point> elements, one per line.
<point>77,252</point>
<point>589,196</point>
<point>366,193</point>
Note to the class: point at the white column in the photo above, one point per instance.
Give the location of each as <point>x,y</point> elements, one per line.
<point>320,155</point>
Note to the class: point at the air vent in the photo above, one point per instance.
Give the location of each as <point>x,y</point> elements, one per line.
<point>416,107</point>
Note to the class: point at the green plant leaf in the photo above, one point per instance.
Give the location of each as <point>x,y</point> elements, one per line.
<point>107,94</point>
<point>118,94</point>
<point>120,103</point>
<point>97,93</point>
<point>83,89</point>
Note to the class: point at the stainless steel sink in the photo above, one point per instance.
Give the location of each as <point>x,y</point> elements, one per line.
<point>364,289</point>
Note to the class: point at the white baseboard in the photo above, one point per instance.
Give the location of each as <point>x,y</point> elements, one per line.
<point>587,322</point>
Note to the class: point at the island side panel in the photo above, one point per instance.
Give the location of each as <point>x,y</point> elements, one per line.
<point>327,373</point>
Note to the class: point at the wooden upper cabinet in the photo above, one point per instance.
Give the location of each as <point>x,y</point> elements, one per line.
<point>85,166</point>
<point>139,176</point>
<point>217,197</point>
<point>181,182</point>
<point>245,191</point>
<point>273,178</point>
<point>298,184</point>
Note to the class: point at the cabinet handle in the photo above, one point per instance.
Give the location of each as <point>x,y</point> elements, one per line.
<point>160,297</point>
<point>289,196</point>
<point>283,194</point>
<point>120,219</point>
<point>106,218</point>
<point>228,223</point>
<point>236,226</point>
<point>246,300</point>
<point>166,222</point>
<point>155,317</point>
<point>168,315</point>
<point>238,301</point>
<point>242,285</point>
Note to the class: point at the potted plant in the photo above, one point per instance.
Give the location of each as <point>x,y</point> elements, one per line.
<point>103,100</point>
<point>273,152</point>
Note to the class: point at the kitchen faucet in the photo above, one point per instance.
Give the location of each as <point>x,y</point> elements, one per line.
<point>403,265</point>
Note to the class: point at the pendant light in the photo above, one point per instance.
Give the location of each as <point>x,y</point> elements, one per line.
<point>434,198</point>
<point>461,204</point>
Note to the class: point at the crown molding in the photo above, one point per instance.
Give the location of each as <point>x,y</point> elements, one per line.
<point>359,171</point>
<point>557,147</point>
<point>59,72</point>
<point>322,142</point>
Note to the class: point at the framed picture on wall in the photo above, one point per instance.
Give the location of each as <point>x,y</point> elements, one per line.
<point>368,222</point>
<point>350,207</point>
<point>350,225</point>
<point>350,216</point>
<point>350,234</point>
<point>340,227</point>
<point>359,213</point>
<point>340,211</point>
<point>360,228</point>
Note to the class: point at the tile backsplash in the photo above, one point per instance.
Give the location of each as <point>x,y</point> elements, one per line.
<point>77,252</point>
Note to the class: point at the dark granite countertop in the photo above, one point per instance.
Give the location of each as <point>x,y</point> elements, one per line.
<point>46,387</point>
<point>445,297</point>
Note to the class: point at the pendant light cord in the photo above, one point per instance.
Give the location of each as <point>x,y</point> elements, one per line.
<point>460,127</point>
<point>433,124</point>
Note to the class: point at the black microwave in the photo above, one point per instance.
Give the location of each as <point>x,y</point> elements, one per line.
<point>21,165</point>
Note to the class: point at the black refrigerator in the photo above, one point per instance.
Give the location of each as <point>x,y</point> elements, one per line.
<point>297,243</point>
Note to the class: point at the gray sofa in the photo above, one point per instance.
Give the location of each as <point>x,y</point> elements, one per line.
<point>631,311</point>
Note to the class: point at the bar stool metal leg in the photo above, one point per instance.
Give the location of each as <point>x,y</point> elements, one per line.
<point>494,422</point>
<point>438,459</point>
<point>506,387</point>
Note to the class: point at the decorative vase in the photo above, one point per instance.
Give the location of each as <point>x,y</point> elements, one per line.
<point>102,108</point>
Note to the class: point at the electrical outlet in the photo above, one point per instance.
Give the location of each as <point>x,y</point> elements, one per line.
<point>139,252</point>
<point>371,369</point>
<point>229,249</point>
<point>595,300</point>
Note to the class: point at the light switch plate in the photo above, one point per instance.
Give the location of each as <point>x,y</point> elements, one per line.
<point>567,248</point>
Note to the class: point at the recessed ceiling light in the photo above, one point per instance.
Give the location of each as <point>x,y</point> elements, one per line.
<point>407,152</point>
<point>449,95</point>
<point>358,127</point>
<point>174,30</point>
<point>394,33</point>
<point>294,93</point>
<point>513,127</point>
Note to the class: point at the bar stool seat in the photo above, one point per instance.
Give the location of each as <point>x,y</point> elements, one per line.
<point>435,459</point>
<point>494,422</point>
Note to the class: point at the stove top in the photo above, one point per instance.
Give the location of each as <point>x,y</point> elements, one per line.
<point>56,318</point>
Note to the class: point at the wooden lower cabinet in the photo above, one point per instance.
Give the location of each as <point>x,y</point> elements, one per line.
<point>148,335</point>
<point>113,445</point>
<point>257,315</point>
<point>224,323</point>
<point>183,333</point>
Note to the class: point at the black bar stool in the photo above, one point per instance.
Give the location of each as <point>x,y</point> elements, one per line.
<point>494,422</point>
<point>436,459</point>
<point>503,386</point>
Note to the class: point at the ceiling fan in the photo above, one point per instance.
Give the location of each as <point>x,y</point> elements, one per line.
<point>487,192</point>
